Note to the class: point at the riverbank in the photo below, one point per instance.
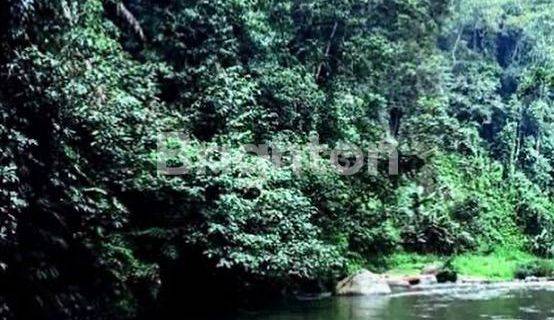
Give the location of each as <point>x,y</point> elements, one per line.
<point>441,279</point>
<point>462,287</point>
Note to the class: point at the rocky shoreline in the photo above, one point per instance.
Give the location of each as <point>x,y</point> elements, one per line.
<point>366,283</point>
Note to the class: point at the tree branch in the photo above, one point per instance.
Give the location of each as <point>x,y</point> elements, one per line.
<point>130,19</point>
<point>327,51</point>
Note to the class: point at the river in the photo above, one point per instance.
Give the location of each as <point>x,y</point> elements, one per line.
<point>520,304</point>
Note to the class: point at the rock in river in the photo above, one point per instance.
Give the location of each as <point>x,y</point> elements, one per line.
<point>433,269</point>
<point>363,283</point>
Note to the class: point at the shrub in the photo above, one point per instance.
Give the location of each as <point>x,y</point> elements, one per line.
<point>447,273</point>
<point>426,224</point>
<point>538,268</point>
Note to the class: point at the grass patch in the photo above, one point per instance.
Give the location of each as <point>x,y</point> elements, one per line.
<point>501,264</point>
<point>409,263</point>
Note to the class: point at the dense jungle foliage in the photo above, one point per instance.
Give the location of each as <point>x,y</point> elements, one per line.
<point>89,229</point>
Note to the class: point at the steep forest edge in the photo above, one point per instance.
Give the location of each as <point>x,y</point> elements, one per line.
<point>462,90</point>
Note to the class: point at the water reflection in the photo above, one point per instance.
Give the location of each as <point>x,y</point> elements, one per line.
<point>329,309</point>
<point>487,304</point>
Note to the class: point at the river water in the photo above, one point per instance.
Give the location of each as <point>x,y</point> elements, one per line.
<point>519,304</point>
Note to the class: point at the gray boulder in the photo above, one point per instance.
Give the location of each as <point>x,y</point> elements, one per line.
<point>432,269</point>
<point>363,283</point>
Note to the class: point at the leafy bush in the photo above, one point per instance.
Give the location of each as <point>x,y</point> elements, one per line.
<point>535,214</point>
<point>539,268</point>
<point>427,226</point>
<point>448,272</point>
